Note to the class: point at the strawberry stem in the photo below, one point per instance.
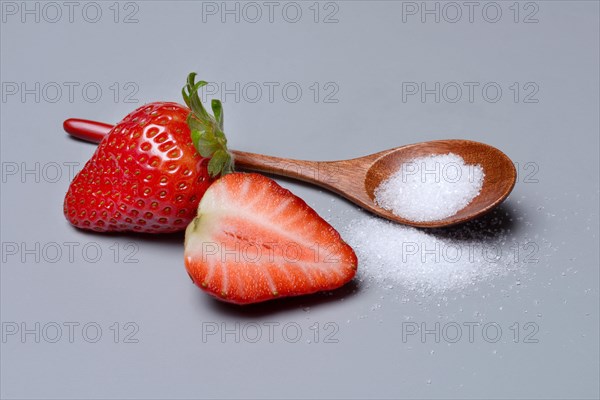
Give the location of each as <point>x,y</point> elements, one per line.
<point>207,130</point>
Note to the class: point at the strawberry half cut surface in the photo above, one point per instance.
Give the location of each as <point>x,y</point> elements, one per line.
<point>254,241</point>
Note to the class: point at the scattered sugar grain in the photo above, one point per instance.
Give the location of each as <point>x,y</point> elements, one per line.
<point>390,255</point>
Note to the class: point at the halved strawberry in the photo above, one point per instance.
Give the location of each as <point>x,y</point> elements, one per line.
<point>254,241</point>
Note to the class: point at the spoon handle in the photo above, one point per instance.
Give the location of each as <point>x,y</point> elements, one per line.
<point>90,131</point>
<point>343,177</point>
<point>321,173</point>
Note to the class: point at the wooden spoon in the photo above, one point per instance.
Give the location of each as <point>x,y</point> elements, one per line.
<point>357,179</point>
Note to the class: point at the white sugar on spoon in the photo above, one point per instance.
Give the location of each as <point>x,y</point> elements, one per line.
<point>430,188</point>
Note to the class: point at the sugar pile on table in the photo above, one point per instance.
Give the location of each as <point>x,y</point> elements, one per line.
<point>391,255</point>
<point>430,188</point>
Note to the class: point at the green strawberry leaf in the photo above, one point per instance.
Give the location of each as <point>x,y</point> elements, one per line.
<point>199,85</point>
<point>207,130</point>
<point>196,134</point>
<point>217,111</point>
<point>207,147</point>
<point>217,162</point>
<point>195,124</point>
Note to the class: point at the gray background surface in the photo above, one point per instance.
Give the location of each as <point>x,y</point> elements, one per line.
<point>364,57</point>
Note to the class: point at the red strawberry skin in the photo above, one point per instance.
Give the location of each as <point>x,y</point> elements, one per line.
<point>146,175</point>
<point>255,241</point>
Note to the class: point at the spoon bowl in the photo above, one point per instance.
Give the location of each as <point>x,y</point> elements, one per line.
<point>499,180</point>
<point>356,179</point>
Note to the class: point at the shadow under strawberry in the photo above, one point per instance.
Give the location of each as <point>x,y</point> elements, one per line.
<point>272,307</point>
<point>173,238</point>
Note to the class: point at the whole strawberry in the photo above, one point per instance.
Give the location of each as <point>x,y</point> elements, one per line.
<point>147,175</point>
